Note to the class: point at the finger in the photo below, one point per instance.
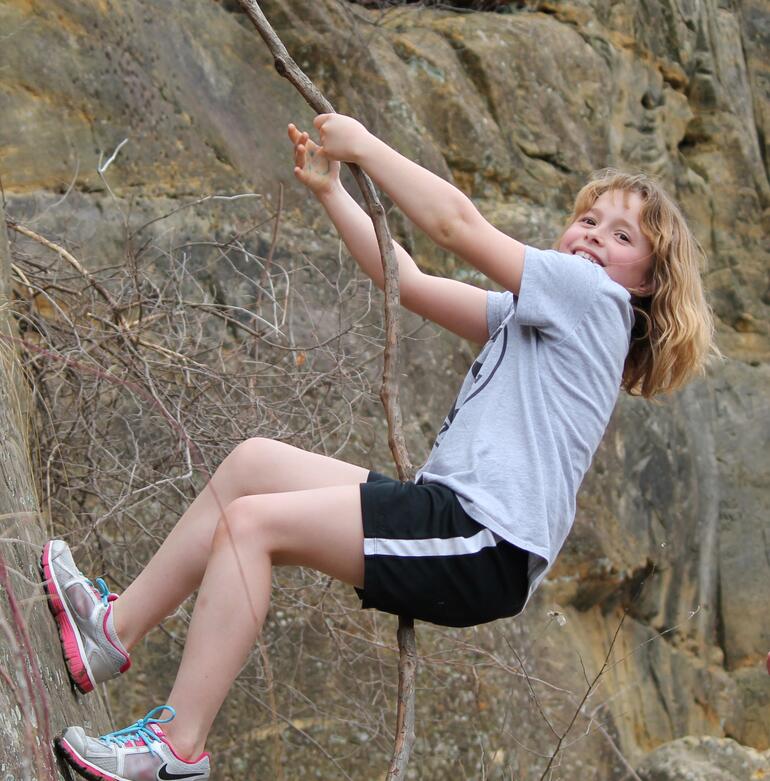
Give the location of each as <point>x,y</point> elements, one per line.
<point>320,119</point>
<point>296,135</point>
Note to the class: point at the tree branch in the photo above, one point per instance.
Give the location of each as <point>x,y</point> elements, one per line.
<point>389,390</point>
<point>286,67</point>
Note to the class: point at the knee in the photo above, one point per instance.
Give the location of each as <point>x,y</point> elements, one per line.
<point>252,451</point>
<point>234,523</point>
<point>251,463</point>
<point>246,523</point>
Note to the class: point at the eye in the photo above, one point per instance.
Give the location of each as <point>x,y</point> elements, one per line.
<point>588,220</point>
<point>624,237</point>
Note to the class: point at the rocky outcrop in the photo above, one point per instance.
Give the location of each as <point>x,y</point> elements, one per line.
<point>36,698</point>
<point>707,759</point>
<point>517,109</point>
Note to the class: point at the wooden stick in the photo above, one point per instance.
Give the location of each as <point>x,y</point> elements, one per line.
<point>389,390</point>
<point>407,668</point>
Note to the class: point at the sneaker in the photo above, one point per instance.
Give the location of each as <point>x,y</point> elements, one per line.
<point>137,753</point>
<point>83,613</point>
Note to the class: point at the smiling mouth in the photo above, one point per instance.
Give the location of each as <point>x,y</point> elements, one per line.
<point>588,256</point>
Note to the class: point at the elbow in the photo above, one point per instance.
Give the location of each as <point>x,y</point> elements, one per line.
<point>453,224</point>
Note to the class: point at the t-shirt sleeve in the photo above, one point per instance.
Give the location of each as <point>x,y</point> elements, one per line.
<point>556,291</point>
<point>499,306</point>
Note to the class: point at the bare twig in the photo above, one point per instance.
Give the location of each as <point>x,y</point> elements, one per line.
<point>585,697</point>
<point>102,167</point>
<point>70,258</point>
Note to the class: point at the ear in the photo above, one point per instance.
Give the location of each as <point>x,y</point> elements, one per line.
<point>647,288</point>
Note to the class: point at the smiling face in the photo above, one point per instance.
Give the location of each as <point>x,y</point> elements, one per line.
<point>608,233</point>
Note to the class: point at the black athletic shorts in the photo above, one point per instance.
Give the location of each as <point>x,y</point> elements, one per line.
<point>426,558</point>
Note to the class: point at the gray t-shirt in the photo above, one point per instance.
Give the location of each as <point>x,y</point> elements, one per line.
<point>534,406</point>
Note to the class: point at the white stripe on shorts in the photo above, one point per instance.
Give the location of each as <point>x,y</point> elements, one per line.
<point>432,546</point>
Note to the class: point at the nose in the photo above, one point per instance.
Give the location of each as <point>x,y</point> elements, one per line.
<point>594,235</point>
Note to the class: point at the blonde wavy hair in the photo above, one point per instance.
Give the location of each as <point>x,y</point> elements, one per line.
<point>673,334</point>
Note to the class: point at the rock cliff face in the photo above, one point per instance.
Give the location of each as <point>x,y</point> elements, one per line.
<point>36,697</point>
<point>516,108</point>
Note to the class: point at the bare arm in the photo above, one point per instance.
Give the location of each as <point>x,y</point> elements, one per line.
<point>433,204</point>
<point>454,305</point>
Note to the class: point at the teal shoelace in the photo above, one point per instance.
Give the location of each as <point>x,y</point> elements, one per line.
<point>139,730</point>
<point>104,592</point>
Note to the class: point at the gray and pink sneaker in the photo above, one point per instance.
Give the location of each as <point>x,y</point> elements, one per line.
<point>83,614</point>
<point>141,752</point>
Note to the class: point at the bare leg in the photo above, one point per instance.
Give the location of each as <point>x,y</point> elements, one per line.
<point>256,466</point>
<point>318,528</point>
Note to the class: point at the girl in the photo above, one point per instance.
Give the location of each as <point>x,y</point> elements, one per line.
<point>618,304</point>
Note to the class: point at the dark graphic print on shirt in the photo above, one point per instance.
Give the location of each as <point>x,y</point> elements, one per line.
<point>476,379</point>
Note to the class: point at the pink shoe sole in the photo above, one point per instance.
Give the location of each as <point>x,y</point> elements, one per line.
<point>73,657</point>
<point>80,765</point>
